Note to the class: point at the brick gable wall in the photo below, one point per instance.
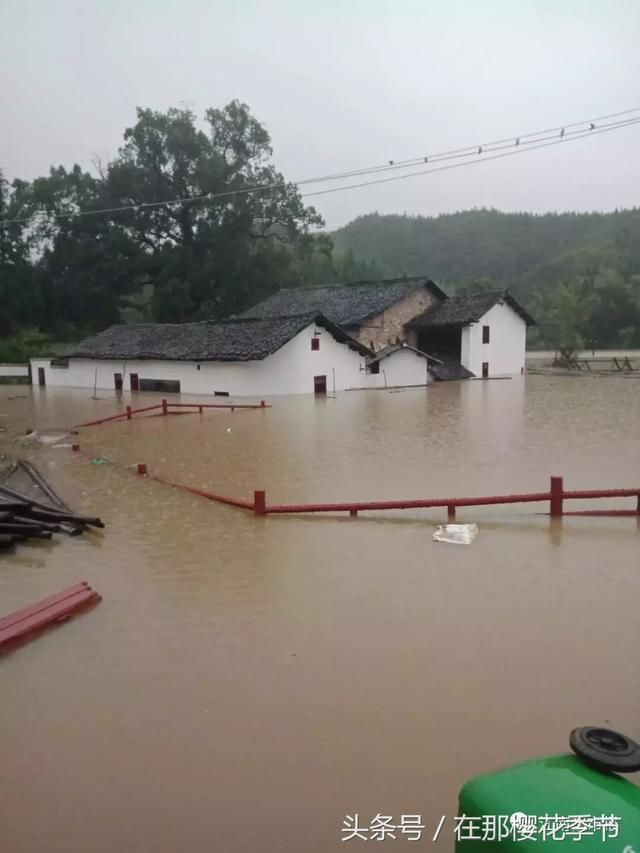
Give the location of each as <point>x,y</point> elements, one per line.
<point>387,327</point>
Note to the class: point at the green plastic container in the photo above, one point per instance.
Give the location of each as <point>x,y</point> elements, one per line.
<point>549,804</point>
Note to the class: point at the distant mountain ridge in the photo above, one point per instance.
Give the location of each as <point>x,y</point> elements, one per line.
<point>527,253</point>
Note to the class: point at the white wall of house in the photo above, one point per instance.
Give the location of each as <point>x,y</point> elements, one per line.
<point>402,368</point>
<point>505,352</point>
<point>14,370</point>
<point>290,370</point>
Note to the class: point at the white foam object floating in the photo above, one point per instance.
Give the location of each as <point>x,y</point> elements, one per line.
<point>42,437</point>
<point>456,534</point>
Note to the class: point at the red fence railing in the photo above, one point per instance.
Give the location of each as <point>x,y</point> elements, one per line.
<point>555,496</point>
<point>166,407</point>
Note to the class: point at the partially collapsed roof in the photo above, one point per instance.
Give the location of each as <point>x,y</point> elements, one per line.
<point>464,310</point>
<point>348,305</point>
<point>229,340</point>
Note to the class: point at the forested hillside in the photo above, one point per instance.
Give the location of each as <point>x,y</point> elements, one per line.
<point>578,273</point>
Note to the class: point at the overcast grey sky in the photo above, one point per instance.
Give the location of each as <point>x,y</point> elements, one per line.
<point>340,85</point>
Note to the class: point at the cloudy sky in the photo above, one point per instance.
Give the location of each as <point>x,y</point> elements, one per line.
<point>342,84</point>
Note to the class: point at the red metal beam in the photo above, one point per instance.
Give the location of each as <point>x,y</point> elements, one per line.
<point>364,506</point>
<point>52,609</point>
<point>203,494</point>
<point>126,414</point>
<point>221,405</point>
<point>589,494</point>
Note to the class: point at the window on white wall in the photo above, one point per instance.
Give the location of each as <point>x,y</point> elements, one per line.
<point>486,335</point>
<point>315,344</point>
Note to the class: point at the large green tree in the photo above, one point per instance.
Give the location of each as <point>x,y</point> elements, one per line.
<point>220,246</point>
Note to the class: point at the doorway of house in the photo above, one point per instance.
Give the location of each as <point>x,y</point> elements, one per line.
<point>485,369</point>
<point>319,385</point>
<point>41,377</point>
<point>133,379</point>
<point>117,381</point>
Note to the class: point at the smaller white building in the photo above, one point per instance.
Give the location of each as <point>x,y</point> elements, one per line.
<point>299,354</point>
<point>485,332</point>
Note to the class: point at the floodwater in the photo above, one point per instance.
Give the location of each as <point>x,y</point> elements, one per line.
<point>247,682</point>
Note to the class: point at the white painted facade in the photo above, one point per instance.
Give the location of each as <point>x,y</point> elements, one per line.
<point>402,368</point>
<point>289,370</point>
<point>505,352</point>
<point>14,370</point>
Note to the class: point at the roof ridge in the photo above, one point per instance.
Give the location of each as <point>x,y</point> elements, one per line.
<point>293,316</point>
<point>367,281</point>
<point>478,293</point>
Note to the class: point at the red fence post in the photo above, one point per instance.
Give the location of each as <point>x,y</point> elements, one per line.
<point>556,494</point>
<point>451,512</point>
<point>165,407</point>
<point>128,413</point>
<point>260,502</point>
<point>142,468</point>
<point>262,404</point>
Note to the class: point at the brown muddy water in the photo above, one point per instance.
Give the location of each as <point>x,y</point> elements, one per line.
<point>247,682</point>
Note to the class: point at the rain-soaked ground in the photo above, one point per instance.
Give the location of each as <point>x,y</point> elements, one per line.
<point>247,682</point>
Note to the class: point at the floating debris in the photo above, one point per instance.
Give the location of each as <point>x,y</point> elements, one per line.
<point>456,534</point>
<point>34,437</point>
<point>55,608</point>
<point>23,517</point>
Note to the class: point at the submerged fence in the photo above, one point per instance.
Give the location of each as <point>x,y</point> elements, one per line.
<point>555,496</point>
<point>166,408</point>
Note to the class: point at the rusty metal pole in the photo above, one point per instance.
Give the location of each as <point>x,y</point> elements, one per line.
<point>353,513</point>
<point>142,468</point>
<point>556,495</point>
<point>451,512</point>
<point>260,502</point>
<point>165,407</point>
<point>128,410</point>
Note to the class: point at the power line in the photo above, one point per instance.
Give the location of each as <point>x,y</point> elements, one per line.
<point>479,159</point>
<point>471,149</point>
<point>537,139</point>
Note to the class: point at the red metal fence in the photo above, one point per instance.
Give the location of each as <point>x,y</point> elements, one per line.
<point>166,408</point>
<point>556,496</point>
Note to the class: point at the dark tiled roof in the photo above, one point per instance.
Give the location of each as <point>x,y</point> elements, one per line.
<point>387,351</point>
<point>229,340</point>
<point>463,310</point>
<point>449,370</point>
<point>348,305</point>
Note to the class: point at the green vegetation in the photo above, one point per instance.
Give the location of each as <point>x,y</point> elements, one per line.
<point>67,275</point>
<point>578,274</point>
<point>63,276</point>
<point>28,343</point>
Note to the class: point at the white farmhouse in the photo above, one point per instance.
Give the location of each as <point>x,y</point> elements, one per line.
<point>245,357</point>
<point>485,332</point>
<point>382,334</point>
